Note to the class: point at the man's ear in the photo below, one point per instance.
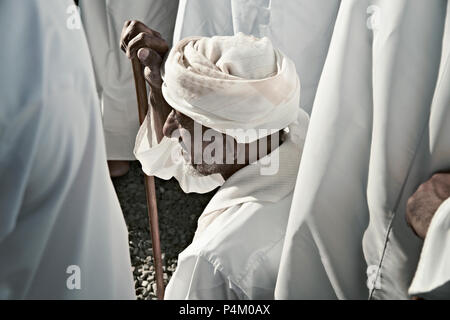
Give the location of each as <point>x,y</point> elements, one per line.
<point>170,124</point>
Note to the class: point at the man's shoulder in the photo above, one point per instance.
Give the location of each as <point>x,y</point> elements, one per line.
<point>242,232</point>
<point>243,245</point>
<point>245,220</point>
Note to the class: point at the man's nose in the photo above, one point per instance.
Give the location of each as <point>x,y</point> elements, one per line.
<point>170,125</point>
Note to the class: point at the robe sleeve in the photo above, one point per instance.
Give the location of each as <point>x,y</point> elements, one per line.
<point>432,278</point>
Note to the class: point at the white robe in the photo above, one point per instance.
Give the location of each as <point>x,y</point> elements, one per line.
<point>380,127</point>
<point>103,21</point>
<point>58,208</point>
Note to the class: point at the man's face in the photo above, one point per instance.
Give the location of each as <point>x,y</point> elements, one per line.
<point>191,136</point>
<point>208,151</point>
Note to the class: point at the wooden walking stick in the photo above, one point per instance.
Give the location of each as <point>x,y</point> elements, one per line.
<point>142,100</point>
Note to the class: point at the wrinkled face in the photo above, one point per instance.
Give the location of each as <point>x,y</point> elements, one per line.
<point>207,151</point>
<point>197,143</point>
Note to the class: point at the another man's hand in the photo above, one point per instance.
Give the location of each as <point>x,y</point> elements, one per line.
<point>423,204</point>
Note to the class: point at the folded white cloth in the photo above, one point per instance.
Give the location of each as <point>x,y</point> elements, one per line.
<point>232,83</point>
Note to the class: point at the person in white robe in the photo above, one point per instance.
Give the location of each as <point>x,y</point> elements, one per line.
<point>225,84</point>
<point>380,128</point>
<point>62,232</point>
<point>103,21</point>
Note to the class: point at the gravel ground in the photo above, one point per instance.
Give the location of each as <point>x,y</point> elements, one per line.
<point>178,213</point>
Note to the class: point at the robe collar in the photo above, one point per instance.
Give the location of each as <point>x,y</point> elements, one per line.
<point>248,184</point>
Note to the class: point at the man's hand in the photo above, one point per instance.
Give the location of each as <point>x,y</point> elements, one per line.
<point>423,204</point>
<point>137,40</point>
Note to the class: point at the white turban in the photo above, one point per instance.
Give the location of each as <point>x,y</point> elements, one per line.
<point>233,82</point>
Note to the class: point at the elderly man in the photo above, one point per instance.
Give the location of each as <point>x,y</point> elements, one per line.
<point>232,105</point>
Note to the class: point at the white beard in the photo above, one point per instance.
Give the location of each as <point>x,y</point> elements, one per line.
<point>190,170</point>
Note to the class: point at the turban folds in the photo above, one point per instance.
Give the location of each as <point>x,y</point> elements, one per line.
<point>232,83</point>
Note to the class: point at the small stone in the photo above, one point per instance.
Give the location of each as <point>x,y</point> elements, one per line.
<point>139,290</point>
<point>145,274</point>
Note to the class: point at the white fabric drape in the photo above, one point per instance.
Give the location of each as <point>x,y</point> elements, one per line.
<point>58,207</point>
<point>103,21</point>
<point>231,84</point>
<point>380,127</point>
